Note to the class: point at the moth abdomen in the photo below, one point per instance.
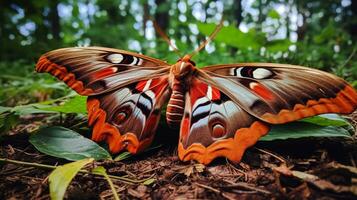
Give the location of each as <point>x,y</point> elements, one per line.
<point>176,105</point>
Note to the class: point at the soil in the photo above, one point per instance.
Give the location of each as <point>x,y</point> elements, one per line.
<point>319,168</point>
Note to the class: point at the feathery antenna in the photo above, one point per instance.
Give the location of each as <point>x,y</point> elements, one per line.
<point>165,37</point>
<point>199,48</point>
<point>209,39</point>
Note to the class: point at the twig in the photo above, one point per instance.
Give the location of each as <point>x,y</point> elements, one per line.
<point>349,57</point>
<point>215,190</point>
<point>38,165</point>
<point>239,170</point>
<point>245,186</point>
<point>271,154</point>
<point>208,187</point>
<point>149,170</point>
<point>103,172</point>
<point>352,160</point>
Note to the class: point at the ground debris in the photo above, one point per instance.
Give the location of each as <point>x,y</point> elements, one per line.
<point>266,172</point>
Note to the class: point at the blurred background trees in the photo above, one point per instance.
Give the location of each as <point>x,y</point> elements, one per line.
<point>314,33</point>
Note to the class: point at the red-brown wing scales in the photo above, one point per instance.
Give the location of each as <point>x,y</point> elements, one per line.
<point>127,118</point>
<point>95,70</point>
<point>228,107</point>
<point>126,91</point>
<point>214,126</point>
<point>277,93</point>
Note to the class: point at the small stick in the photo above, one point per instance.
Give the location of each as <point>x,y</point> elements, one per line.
<point>38,165</point>
<point>215,190</point>
<point>271,154</point>
<point>245,186</point>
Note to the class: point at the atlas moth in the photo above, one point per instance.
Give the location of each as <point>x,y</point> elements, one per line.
<point>220,110</point>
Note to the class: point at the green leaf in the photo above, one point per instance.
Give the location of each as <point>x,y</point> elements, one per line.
<point>31,109</point>
<point>278,45</point>
<point>274,14</point>
<point>326,34</point>
<point>4,109</point>
<point>7,122</point>
<point>296,130</point>
<point>60,178</point>
<point>149,181</point>
<point>64,143</point>
<point>232,36</point>
<point>101,170</point>
<point>327,120</point>
<point>76,104</point>
<point>122,156</point>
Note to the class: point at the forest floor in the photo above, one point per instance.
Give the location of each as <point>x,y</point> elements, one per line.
<point>318,168</point>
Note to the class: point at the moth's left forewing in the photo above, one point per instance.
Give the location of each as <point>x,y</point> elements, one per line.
<point>279,93</point>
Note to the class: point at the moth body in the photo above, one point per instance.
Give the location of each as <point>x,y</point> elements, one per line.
<point>179,79</point>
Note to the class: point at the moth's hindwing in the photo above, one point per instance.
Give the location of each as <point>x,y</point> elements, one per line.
<point>127,118</point>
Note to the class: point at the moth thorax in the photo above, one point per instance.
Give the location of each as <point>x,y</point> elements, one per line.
<point>176,105</point>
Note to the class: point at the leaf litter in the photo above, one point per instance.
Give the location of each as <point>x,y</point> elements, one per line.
<point>316,168</point>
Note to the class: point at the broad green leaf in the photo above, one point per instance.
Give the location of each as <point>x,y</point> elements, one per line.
<point>278,45</point>
<point>61,177</point>
<point>64,143</point>
<point>101,170</point>
<point>327,120</point>
<point>76,104</point>
<point>296,130</point>
<point>31,109</point>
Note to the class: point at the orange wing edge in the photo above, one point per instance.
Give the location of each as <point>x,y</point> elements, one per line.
<point>232,148</point>
<point>345,102</point>
<point>61,73</point>
<point>105,131</point>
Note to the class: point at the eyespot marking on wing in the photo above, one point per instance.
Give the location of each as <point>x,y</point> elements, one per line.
<point>115,58</point>
<point>251,72</point>
<point>261,73</point>
<point>218,130</point>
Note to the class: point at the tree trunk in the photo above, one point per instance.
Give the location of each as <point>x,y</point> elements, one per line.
<point>260,15</point>
<point>162,17</point>
<point>238,12</point>
<point>353,24</point>
<point>54,20</point>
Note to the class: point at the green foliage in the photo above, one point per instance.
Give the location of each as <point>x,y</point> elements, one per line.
<point>64,143</point>
<point>101,170</point>
<point>319,126</point>
<point>77,104</point>
<point>62,176</point>
<point>274,14</point>
<point>232,36</point>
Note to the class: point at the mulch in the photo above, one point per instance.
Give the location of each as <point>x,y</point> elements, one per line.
<point>311,168</point>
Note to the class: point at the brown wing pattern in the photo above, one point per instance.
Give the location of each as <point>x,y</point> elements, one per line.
<point>229,107</point>
<point>214,126</point>
<point>95,70</point>
<point>127,118</point>
<point>278,93</point>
